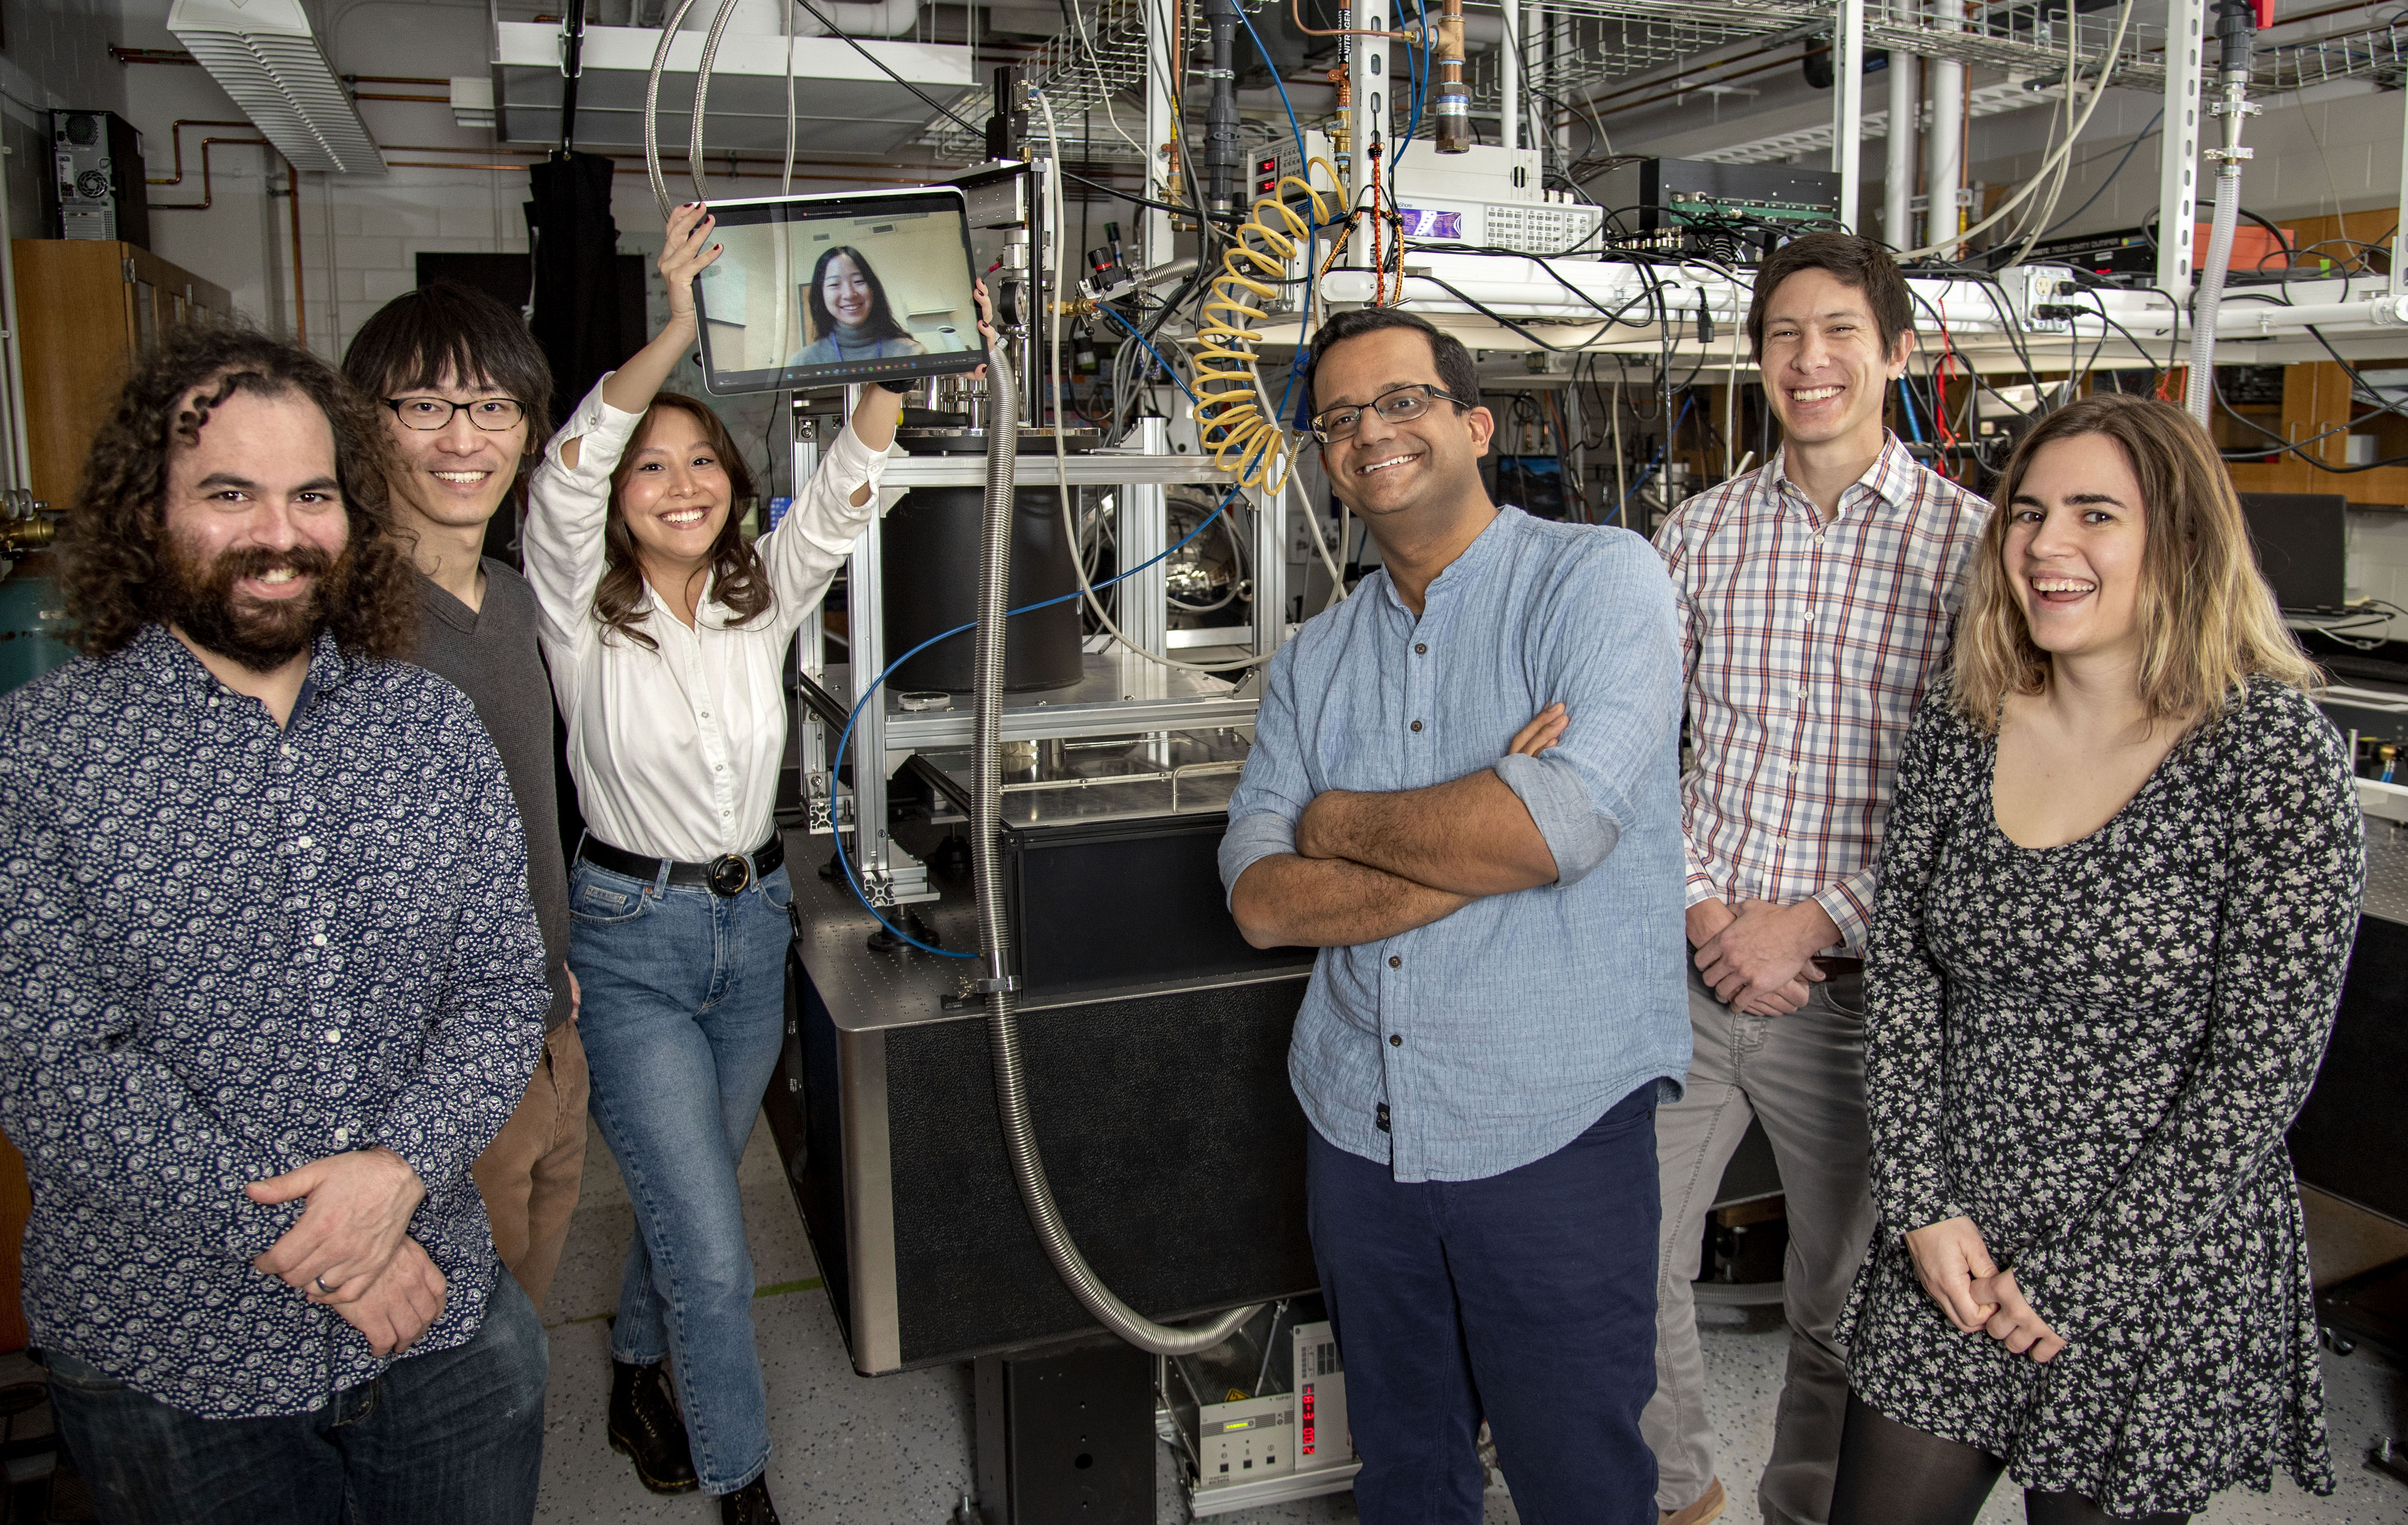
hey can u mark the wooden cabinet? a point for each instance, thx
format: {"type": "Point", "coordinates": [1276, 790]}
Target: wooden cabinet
{"type": "Point", "coordinates": [85, 310]}
{"type": "Point", "coordinates": [2317, 396]}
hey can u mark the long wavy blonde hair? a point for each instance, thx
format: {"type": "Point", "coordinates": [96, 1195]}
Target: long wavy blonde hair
{"type": "Point", "coordinates": [2208, 620]}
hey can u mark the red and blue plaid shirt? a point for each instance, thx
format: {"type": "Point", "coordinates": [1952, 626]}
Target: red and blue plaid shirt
{"type": "Point", "coordinates": [1806, 645]}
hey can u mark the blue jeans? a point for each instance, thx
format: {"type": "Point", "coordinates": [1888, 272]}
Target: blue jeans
{"type": "Point", "coordinates": [454, 1438]}
{"type": "Point", "coordinates": [684, 1016]}
{"type": "Point", "coordinates": [1527, 1297]}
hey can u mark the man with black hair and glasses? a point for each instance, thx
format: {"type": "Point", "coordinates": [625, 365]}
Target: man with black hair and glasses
{"type": "Point", "coordinates": [466, 393]}
{"type": "Point", "coordinates": [1464, 790]}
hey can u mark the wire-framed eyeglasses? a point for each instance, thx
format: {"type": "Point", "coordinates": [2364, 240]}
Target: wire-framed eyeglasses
{"type": "Point", "coordinates": [1401, 405]}
{"type": "Point", "coordinates": [495, 415]}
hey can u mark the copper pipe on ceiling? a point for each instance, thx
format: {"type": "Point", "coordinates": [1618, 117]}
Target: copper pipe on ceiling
{"type": "Point", "coordinates": [300, 302]}
{"type": "Point", "coordinates": [207, 193]}
{"type": "Point", "coordinates": [175, 133]}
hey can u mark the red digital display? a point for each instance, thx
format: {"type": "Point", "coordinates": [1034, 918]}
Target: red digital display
{"type": "Point", "coordinates": [1305, 1397]}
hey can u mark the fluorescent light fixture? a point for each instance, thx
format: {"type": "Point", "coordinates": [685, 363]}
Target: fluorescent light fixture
{"type": "Point", "coordinates": [263, 54]}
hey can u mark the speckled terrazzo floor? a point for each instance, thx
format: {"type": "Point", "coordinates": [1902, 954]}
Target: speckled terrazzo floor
{"type": "Point", "coordinates": [893, 1451]}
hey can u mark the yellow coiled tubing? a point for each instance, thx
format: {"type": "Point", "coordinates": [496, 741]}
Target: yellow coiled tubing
{"type": "Point", "coordinates": [1233, 420]}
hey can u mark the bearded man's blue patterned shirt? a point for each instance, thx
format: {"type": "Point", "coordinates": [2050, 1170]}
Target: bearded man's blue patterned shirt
{"type": "Point", "coordinates": [231, 948]}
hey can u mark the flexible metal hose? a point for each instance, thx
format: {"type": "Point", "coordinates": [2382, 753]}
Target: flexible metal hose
{"type": "Point", "coordinates": [2199, 396]}
{"type": "Point", "coordinates": [1002, 1011]}
{"type": "Point", "coordinates": [702, 92]}
{"type": "Point", "coordinates": [669, 24]}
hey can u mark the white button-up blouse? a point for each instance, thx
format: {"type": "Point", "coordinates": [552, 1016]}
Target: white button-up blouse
{"type": "Point", "coordinates": [676, 749]}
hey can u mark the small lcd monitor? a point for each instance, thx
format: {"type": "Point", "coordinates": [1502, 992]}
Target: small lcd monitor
{"type": "Point", "coordinates": [820, 290]}
{"type": "Point", "coordinates": [2302, 544]}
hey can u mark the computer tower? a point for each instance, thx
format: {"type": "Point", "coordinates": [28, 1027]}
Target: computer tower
{"type": "Point", "coordinates": [96, 190]}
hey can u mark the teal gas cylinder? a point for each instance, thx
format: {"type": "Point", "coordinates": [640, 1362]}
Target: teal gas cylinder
{"type": "Point", "coordinates": [31, 623]}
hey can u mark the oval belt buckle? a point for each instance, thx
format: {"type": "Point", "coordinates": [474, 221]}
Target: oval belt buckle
{"type": "Point", "coordinates": [731, 874]}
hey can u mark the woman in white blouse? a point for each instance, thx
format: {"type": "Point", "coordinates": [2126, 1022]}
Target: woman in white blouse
{"type": "Point", "coordinates": [665, 628]}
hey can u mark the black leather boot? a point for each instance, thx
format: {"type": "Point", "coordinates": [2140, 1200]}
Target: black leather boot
{"type": "Point", "coordinates": [748, 1506]}
{"type": "Point", "coordinates": [647, 1429]}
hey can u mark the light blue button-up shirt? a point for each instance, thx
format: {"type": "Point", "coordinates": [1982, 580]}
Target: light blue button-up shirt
{"type": "Point", "coordinates": [1496, 1035]}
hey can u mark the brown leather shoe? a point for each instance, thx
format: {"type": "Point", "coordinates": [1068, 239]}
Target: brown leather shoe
{"type": "Point", "coordinates": [1708, 1508]}
{"type": "Point", "coordinates": [748, 1506]}
{"type": "Point", "coordinates": [647, 1429]}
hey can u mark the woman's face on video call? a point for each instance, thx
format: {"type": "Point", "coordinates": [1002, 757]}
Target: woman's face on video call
{"type": "Point", "coordinates": [846, 292]}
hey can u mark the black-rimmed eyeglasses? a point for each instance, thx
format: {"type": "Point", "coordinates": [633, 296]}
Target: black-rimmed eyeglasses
{"type": "Point", "coordinates": [495, 415]}
{"type": "Point", "coordinates": [1401, 405]}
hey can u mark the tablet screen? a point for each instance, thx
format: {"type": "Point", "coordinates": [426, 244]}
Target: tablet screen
{"type": "Point", "coordinates": [817, 290]}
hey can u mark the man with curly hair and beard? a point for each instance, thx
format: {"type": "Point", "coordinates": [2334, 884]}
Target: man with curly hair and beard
{"type": "Point", "coordinates": [270, 980]}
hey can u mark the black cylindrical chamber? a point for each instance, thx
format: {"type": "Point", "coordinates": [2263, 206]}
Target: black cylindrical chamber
{"type": "Point", "coordinates": [930, 558]}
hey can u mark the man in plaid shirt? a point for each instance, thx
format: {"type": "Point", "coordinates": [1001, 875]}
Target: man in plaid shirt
{"type": "Point", "coordinates": [1816, 595]}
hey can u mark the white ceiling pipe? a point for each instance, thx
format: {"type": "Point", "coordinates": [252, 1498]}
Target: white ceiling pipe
{"type": "Point", "coordinates": [760, 18]}
{"type": "Point", "coordinates": [1544, 295]}
{"type": "Point", "coordinates": [768, 18]}
{"type": "Point", "coordinates": [2255, 318]}
{"type": "Point", "coordinates": [1897, 176]}
{"type": "Point", "coordinates": [1943, 149]}
{"type": "Point", "coordinates": [877, 18]}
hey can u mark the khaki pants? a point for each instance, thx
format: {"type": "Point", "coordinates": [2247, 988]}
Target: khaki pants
{"type": "Point", "coordinates": [529, 1174]}
{"type": "Point", "coordinates": [1804, 1075]}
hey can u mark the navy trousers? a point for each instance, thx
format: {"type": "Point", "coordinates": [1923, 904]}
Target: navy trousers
{"type": "Point", "coordinates": [1526, 1298]}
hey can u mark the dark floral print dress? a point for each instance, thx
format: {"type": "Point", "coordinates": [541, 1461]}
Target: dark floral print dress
{"type": "Point", "coordinates": [2094, 1052]}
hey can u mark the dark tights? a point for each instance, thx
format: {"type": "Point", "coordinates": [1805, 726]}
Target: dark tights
{"type": "Point", "coordinates": [1891, 1475]}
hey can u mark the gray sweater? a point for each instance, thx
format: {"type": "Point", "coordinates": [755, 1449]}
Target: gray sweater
{"type": "Point", "coordinates": [490, 654]}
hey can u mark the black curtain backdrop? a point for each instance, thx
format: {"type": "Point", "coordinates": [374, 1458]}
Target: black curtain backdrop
{"type": "Point", "coordinates": [589, 317]}
{"type": "Point", "coordinates": [581, 296]}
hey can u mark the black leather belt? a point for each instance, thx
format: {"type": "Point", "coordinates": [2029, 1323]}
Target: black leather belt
{"type": "Point", "coordinates": [1839, 968]}
{"type": "Point", "coordinates": [730, 875]}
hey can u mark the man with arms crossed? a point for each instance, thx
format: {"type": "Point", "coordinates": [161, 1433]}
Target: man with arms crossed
{"type": "Point", "coordinates": [1497, 1007]}
{"type": "Point", "coordinates": [1814, 596]}
{"type": "Point", "coordinates": [270, 980]}
{"type": "Point", "coordinates": [464, 393]}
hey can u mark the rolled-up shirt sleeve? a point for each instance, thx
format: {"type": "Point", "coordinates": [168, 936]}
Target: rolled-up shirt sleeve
{"type": "Point", "coordinates": [1579, 835]}
{"type": "Point", "coordinates": [1251, 839]}
{"type": "Point", "coordinates": [1608, 650]}
{"type": "Point", "coordinates": [1275, 787]}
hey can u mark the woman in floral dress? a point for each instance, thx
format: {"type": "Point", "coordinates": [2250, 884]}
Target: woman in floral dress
{"type": "Point", "coordinates": [2118, 890]}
